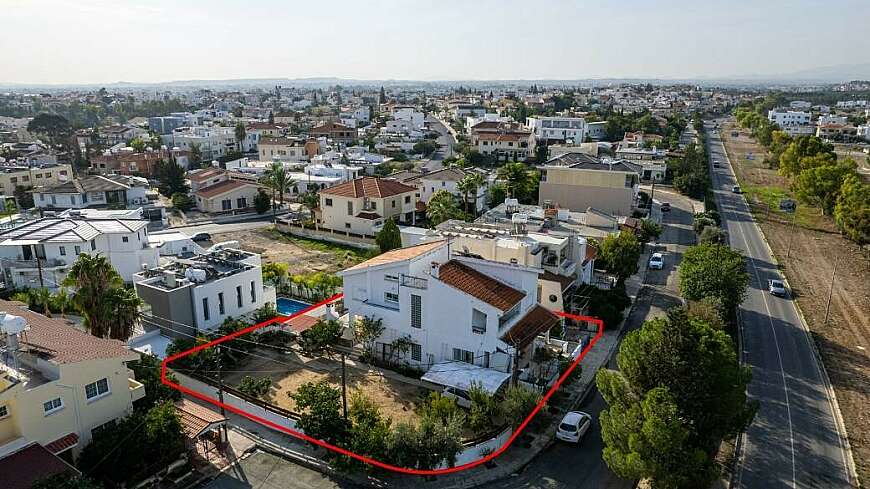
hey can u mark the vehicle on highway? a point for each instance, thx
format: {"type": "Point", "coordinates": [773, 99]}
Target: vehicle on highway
{"type": "Point", "coordinates": [201, 237]}
{"type": "Point", "coordinates": [656, 261]}
{"type": "Point", "coordinates": [574, 425]}
{"type": "Point", "coordinates": [776, 287]}
{"type": "Point", "coordinates": [461, 397]}
{"type": "Point", "coordinates": [736, 189]}
{"type": "Point", "coordinates": [715, 163]}
{"type": "Point", "coordinates": [665, 206]}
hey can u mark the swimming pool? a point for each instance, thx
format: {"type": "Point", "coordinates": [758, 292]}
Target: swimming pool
{"type": "Point", "coordinates": [287, 306]}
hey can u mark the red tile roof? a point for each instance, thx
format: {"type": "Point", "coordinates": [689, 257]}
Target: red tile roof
{"type": "Point", "coordinates": [63, 443]}
{"type": "Point", "coordinates": [222, 188]}
{"type": "Point", "coordinates": [301, 323]}
{"type": "Point", "coordinates": [60, 342]}
{"type": "Point", "coordinates": [195, 418]}
{"type": "Point", "coordinates": [21, 469]}
{"type": "Point", "coordinates": [476, 284]}
{"type": "Point", "coordinates": [202, 175]}
{"type": "Point", "coordinates": [535, 322]}
{"type": "Point", "coordinates": [369, 187]}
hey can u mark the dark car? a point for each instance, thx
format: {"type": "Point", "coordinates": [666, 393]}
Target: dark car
{"type": "Point", "coordinates": [666, 206]}
{"type": "Point", "coordinates": [201, 237]}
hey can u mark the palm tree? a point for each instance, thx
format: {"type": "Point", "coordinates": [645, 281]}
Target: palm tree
{"type": "Point", "coordinates": [93, 277]}
{"type": "Point", "coordinates": [240, 136]}
{"type": "Point", "coordinates": [470, 184]}
{"type": "Point", "coordinates": [42, 297]}
{"type": "Point", "coordinates": [516, 177]}
{"type": "Point", "coordinates": [441, 207]}
{"type": "Point", "coordinates": [279, 181]}
{"type": "Point", "coordinates": [123, 306]}
{"type": "Point", "coordinates": [62, 301]}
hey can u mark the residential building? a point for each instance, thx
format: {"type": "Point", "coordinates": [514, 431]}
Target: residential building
{"type": "Point", "coordinates": [411, 115]}
{"type": "Point", "coordinates": [449, 308]}
{"type": "Point", "coordinates": [361, 206]}
{"type": "Point", "coordinates": [863, 131]}
{"type": "Point", "coordinates": [28, 177]}
{"type": "Point", "coordinates": [282, 149]}
{"type": "Point", "coordinates": [558, 129]}
{"type": "Point", "coordinates": [800, 105]}
{"type": "Point", "coordinates": [834, 130]}
{"type": "Point", "coordinates": [337, 133]}
{"type": "Point", "coordinates": [112, 135]}
{"type": "Point", "coordinates": [205, 177]}
{"type": "Point", "coordinates": [461, 111]}
{"type": "Point", "coordinates": [94, 191]}
{"type": "Point", "coordinates": [784, 118]}
{"type": "Point", "coordinates": [128, 162]}
{"type": "Point", "coordinates": [58, 384]}
{"type": "Point", "coordinates": [197, 294]}
{"type": "Point", "coordinates": [504, 142]}
{"type": "Point", "coordinates": [579, 181]}
{"type": "Point", "coordinates": [229, 195]}
{"type": "Point", "coordinates": [39, 253]}
{"type": "Point", "coordinates": [596, 131]}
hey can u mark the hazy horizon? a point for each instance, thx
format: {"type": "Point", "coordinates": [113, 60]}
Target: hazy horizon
{"type": "Point", "coordinates": [105, 42]}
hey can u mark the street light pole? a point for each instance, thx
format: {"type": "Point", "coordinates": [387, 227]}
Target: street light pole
{"type": "Point", "coordinates": [831, 291]}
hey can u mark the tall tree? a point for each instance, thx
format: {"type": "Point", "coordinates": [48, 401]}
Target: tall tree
{"type": "Point", "coordinates": [93, 278]}
{"type": "Point", "coordinates": [517, 178]}
{"type": "Point", "coordinates": [171, 178]}
{"type": "Point", "coordinates": [195, 156]}
{"type": "Point", "coordinates": [320, 417]}
{"type": "Point", "coordinates": [821, 185]}
{"type": "Point", "coordinates": [714, 270]}
{"type": "Point", "coordinates": [278, 179]}
{"type": "Point", "coordinates": [852, 212]}
{"type": "Point", "coordinates": [619, 254]}
{"type": "Point", "coordinates": [389, 237]}
{"type": "Point", "coordinates": [470, 184]}
{"type": "Point", "coordinates": [240, 133]}
{"type": "Point", "coordinates": [679, 390]}
{"type": "Point", "coordinates": [442, 207]}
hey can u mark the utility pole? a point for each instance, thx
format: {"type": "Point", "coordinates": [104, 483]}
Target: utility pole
{"type": "Point", "coordinates": [38, 266]}
{"type": "Point", "coordinates": [344, 385]}
{"type": "Point", "coordinates": [221, 388]}
{"type": "Point", "coordinates": [831, 291]}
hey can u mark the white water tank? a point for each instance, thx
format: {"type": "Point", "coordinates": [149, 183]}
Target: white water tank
{"type": "Point", "coordinates": [196, 275]}
{"type": "Point", "coordinates": [11, 324]}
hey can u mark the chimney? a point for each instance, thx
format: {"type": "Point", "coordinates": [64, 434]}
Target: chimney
{"type": "Point", "coordinates": [434, 266]}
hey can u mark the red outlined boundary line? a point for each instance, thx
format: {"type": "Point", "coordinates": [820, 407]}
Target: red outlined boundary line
{"type": "Point", "coordinates": [342, 451]}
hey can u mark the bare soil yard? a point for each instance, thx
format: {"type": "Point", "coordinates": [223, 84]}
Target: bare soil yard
{"type": "Point", "coordinates": [303, 255]}
{"type": "Point", "coordinates": [816, 247]}
{"type": "Point", "coordinates": [396, 399]}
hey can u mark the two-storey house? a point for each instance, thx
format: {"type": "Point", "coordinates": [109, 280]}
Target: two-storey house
{"type": "Point", "coordinates": [361, 205]}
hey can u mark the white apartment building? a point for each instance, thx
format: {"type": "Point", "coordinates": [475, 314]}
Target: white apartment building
{"type": "Point", "coordinates": [864, 132]}
{"type": "Point", "coordinates": [94, 191]}
{"type": "Point", "coordinates": [558, 129]}
{"type": "Point", "coordinates": [450, 309]}
{"type": "Point", "coordinates": [784, 118]}
{"type": "Point", "coordinates": [184, 297]}
{"type": "Point", "coordinates": [411, 115]}
{"type": "Point", "coordinates": [832, 119]}
{"type": "Point", "coordinates": [596, 130]}
{"type": "Point", "coordinates": [39, 253]}
{"type": "Point", "coordinates": [213, 141]}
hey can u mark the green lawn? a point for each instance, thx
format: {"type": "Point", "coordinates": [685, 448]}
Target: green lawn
{"type": "Point", "coordinates": [350, 253]}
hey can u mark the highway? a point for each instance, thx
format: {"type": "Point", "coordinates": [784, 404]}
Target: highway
{"type": "Point", "coordinates": [795, 440]}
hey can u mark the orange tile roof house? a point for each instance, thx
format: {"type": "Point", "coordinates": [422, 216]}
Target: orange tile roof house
{"type": "Point", "coordinates": [218, 191]}
{"type": "Point", "coordinates": [58, 384]}
{"type": "Point", "coordinates": [451, 308]}
{"type": "Point", "coordinates": [361, 206]}
{"type": "Point", "coordinates": [338, 133]}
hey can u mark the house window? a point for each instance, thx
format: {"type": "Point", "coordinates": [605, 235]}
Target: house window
{"type": "Point", "coordinates": [97, 389]}
{"type": "Point", "coordinates": [327, 202]}
{"type": "Point", "coordinates": [125, 239]}
{"type": "Point", "coordinates": [478, 321]}
{"type": "Point", "coordinates": [93, 245]}
{"type": "Point", "coordinates": [52, 406]}
{"type": "Point", "coordinates": [4, 411]}
{"type": "Point", "coordinates": [393, 202]}
{"type": "Point", "coordinates": [205, 313]}
{"type": "Point", "coordinates": [460, 355]}
{"type": "Point", "coordinates": [391, 278]}
{"type": "Point", "coordinates": [374, 205]}
{"type": "Point", "coordinates": [416, 352]}
{"type": "Point", "coordinates": [239, 295]}
{"type": "Point", "coordinates": [53, 200]}
{"type": "Point", "coordinates": [391, 297]}
{"type": "Point", "coordinates": [241, 202]}
{"type": "Point", "coordinates": [347, 225]}
{"type": "Point", "coordinates": [226, 204]}
{"type": "Point", "coordinates": [350, 208]}
{"type": "Point", "coordinates": [78, 250]}
{"type": "Point", "coordinates": [253, 292]}
{"type": "Point", "coordinates": [63, 251]}
{"type": "Point", "coordinates": [416, 311]}
{"type": "Point", "coordinates": [221, 303]}
{"type": "Point", "coordinates": [408, 199]}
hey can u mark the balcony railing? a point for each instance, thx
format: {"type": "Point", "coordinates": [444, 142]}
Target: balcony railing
{"type": "Point", "coordinates": [414, 282]}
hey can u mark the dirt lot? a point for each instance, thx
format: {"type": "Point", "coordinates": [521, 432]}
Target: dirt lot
{"type": "Point", "coordinates": [396, 399]}
{"type": "Point", "coordinates": [303, 255]}
{"type": "Point", "coordinates": [815, 249]}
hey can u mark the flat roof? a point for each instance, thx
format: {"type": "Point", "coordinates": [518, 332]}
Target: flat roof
{"type": "Point", "coordinates": [463, 375]}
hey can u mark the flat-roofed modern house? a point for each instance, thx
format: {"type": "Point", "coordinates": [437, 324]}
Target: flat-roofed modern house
{"type": "Point", "coordinates": [59, 385]}
{"type": "Point", "coordinates": [39, 253]}
{"type": "Point", "coordinates": [580, 181]}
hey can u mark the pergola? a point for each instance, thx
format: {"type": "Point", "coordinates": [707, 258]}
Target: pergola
{"type": "Point", "coordinates": [205, 429]}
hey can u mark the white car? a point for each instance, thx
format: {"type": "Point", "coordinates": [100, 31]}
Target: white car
{"type": "Point", "coordinates": [776, 287]}
{"type": "Point", "coordinates": [574, 425]}
{"type": "Point", "coordinates": [656, 261]}
{"type": "Point", "coordinates": [461, 397]}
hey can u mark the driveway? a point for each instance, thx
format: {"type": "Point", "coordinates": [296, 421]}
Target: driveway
{"type": "Point", "coordinates": [263, 470]}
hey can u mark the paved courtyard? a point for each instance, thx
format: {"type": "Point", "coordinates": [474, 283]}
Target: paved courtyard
{"type": "Point", "coordinates": [263, 470]}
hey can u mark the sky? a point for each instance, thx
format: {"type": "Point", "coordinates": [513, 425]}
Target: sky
{"type": "Point", "coordinates": [105, 41]}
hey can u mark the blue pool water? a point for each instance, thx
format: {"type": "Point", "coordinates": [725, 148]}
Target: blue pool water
{"type": "Point", "coordinates": [287, 306]}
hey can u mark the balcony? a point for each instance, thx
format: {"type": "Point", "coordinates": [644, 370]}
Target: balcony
{"type": "Point", "coordinates": [414, 282]}
{"type": "Point", "coordinates": [137, 389]}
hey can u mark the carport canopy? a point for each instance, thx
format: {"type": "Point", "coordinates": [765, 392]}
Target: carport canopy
{"type": "Point", "coordinates": [463, 375]}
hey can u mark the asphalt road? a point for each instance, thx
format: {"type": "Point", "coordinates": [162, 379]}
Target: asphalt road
{"type": "Point", "coordinates": [794, 440]}
{"type": "Point", "coordinates": [566, 466]}
{"type": "Point", "coordinates": [445, 141]}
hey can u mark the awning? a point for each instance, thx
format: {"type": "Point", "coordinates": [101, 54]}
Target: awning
{"type": "Point", "coordinates": [535, 322]}
{"type": "Point", "coordinates": [63, 443]}
{"type": "Point", "coordinates": [463, 375]}
{"type": "Point", "coordinates": [196, 419]}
